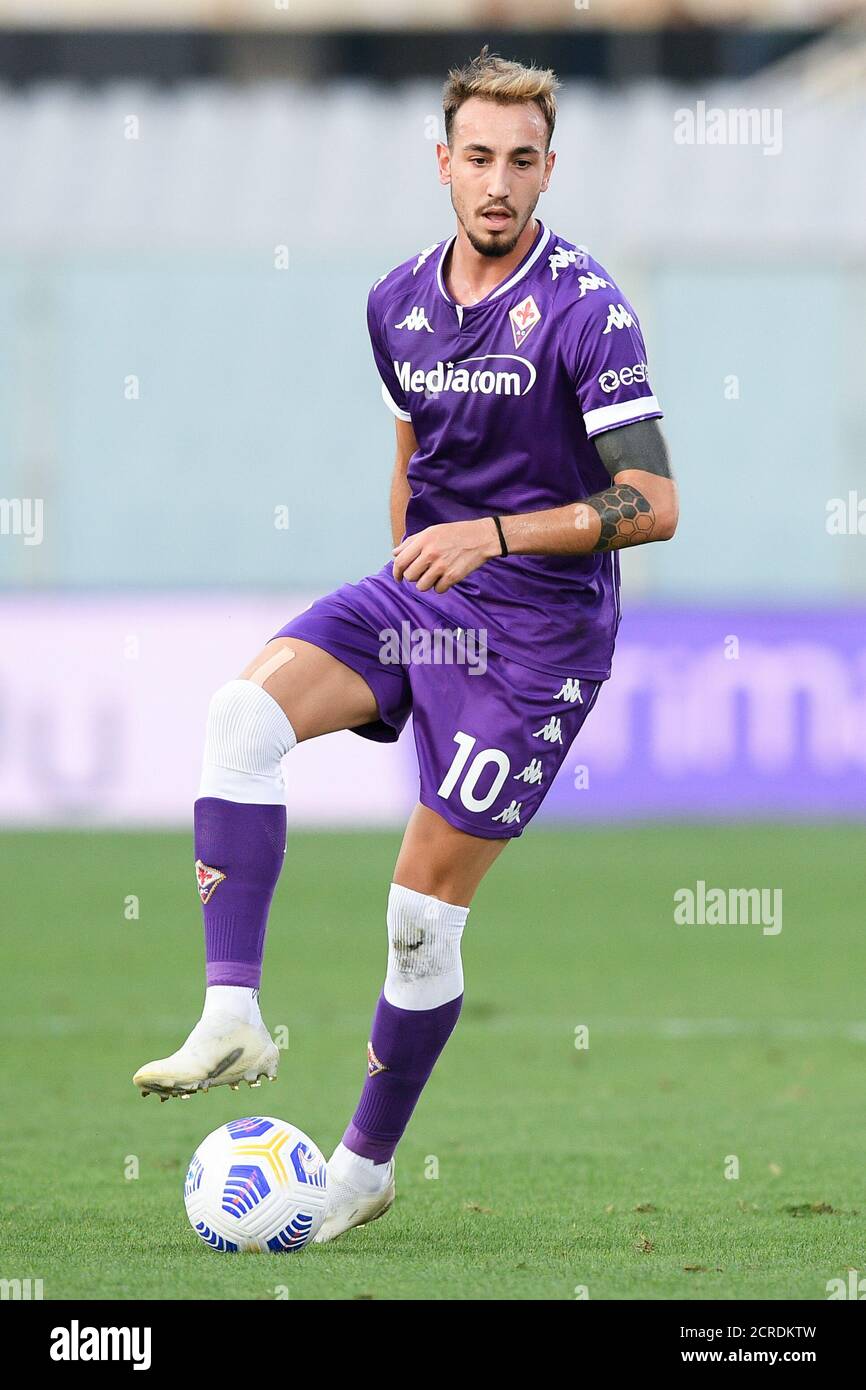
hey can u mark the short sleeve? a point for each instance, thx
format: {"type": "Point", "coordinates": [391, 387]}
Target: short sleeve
{"type": "Point", "coordinates": [609, 364]}
{"type": "Point", "coordinates": [392, 392]}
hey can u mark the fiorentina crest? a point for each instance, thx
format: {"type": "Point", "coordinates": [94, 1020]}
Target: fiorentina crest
{"type": "Point", "coordinates": [374, 1066]}
{"type": "Point", "coordinates": [524, 318]}
{"type": "Point", "coordinates": [207, 879]}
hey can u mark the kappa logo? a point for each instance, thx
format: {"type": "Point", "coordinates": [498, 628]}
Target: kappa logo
{"type": "Point", "coordinates": [561, 259]}
{"type": "Point", "coordinates": [207, 880]}
{"type": "Point", "coordinates": [510, 814]}
{"type": "Point", "coordinates": [551, 732]}
{"type": "Point", "coordinates": [524, 318]}
{"type": "Point", "coordinates": [423, 256]}
{"type": "Point", "coordinates": [618, 316]}
{"type": "Point", "coordinates": [569, 690]}
{"type": "Point", "coordinates": [531, 773]}
{"type": "Point", "coordinates": [592, 282]}
{"type": "Point", "coordinates": [374, 1066]}
{"type": "Point", "coordinates": [417, 320]}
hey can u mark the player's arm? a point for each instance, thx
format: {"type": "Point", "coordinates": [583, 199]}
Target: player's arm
{"type": "Point", "coordinates": [642, 487]}
{"type": "Point", "coordinates": [407, 445]}
{"type": "Point", "coordinates": [640, 506]}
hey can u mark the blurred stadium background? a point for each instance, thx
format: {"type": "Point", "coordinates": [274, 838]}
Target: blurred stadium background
{"type": "Point", "coordinates": [195, 199]}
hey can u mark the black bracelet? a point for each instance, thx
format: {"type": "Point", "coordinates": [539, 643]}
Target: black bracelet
{"type": "Point", "coordinates": [503, 546]}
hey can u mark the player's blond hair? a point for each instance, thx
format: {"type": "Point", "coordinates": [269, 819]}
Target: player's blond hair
{"type": "Point", "coordinates": [498, 79]}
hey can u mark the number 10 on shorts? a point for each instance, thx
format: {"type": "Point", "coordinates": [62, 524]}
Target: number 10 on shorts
{"type": "Point", "coordinates": [470, 775]}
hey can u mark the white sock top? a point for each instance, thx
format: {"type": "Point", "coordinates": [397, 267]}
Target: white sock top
{"type": "Point", "coordinates": [235, 1000]}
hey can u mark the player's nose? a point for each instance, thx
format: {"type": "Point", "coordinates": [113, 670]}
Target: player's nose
{"type": "Point", "coordinates": [498, 187]}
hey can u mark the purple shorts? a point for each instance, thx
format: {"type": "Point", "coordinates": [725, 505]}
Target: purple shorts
{"type": "Point", "coordinates": [490, 734]}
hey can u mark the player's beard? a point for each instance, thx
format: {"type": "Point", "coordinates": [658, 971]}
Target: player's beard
{"type": "Point", "coordinates": [493, 245]}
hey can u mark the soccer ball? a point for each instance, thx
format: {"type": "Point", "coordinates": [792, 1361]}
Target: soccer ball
{"type": "Point", "coordinates": [256, 1184]}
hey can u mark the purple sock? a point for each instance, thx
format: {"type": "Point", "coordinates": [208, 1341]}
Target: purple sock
{"type": "Point", "coordinates": [404, 1046]}
{"type": "Point", "coordinates": [239, 851]}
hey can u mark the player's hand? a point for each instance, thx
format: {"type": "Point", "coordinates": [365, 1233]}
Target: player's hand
{"type": "Point", "coordinates": [442, 555]}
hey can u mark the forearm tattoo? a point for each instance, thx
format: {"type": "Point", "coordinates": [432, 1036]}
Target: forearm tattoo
{"type": "Point", "coordinates": [627, 518]}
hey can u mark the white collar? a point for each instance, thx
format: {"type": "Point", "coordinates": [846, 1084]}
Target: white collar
{"type": "Point", "coordinates": [523, 269]}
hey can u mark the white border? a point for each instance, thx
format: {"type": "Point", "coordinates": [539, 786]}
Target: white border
{"type": "Point", "coordinates": [622, 413]}
{"type": "Point", "coordinates": [393, 406]}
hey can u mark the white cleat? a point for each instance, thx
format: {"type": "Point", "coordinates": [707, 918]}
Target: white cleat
{"type": "Point", "coordinates": [220, 1051]}
{"type": "Point", "coordinates": [348, 1206]}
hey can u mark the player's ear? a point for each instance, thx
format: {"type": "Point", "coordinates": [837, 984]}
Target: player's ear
{"type": "Point", "coordinates": [549, 161]}
{"type": "Point", "coordinates": [443, 159]}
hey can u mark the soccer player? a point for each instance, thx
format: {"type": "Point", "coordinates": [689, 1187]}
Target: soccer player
{"type": "Point", "coordinates": [528, 454]}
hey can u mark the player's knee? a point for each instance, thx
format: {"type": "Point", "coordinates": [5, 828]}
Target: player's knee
{"type": "Point", "coordinates": [424, 963]}
{"type": "Point", "coordinates": [247, 735]}
{"type": "Point", "coordinates": [246, 728]}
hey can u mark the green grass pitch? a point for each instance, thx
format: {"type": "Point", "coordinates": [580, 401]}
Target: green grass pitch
{"type": "Point", "coordinates": [557, 1168]}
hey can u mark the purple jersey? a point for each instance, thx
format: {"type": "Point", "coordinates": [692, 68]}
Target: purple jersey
{"type": "Point", "coordinates": [505, 396]}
